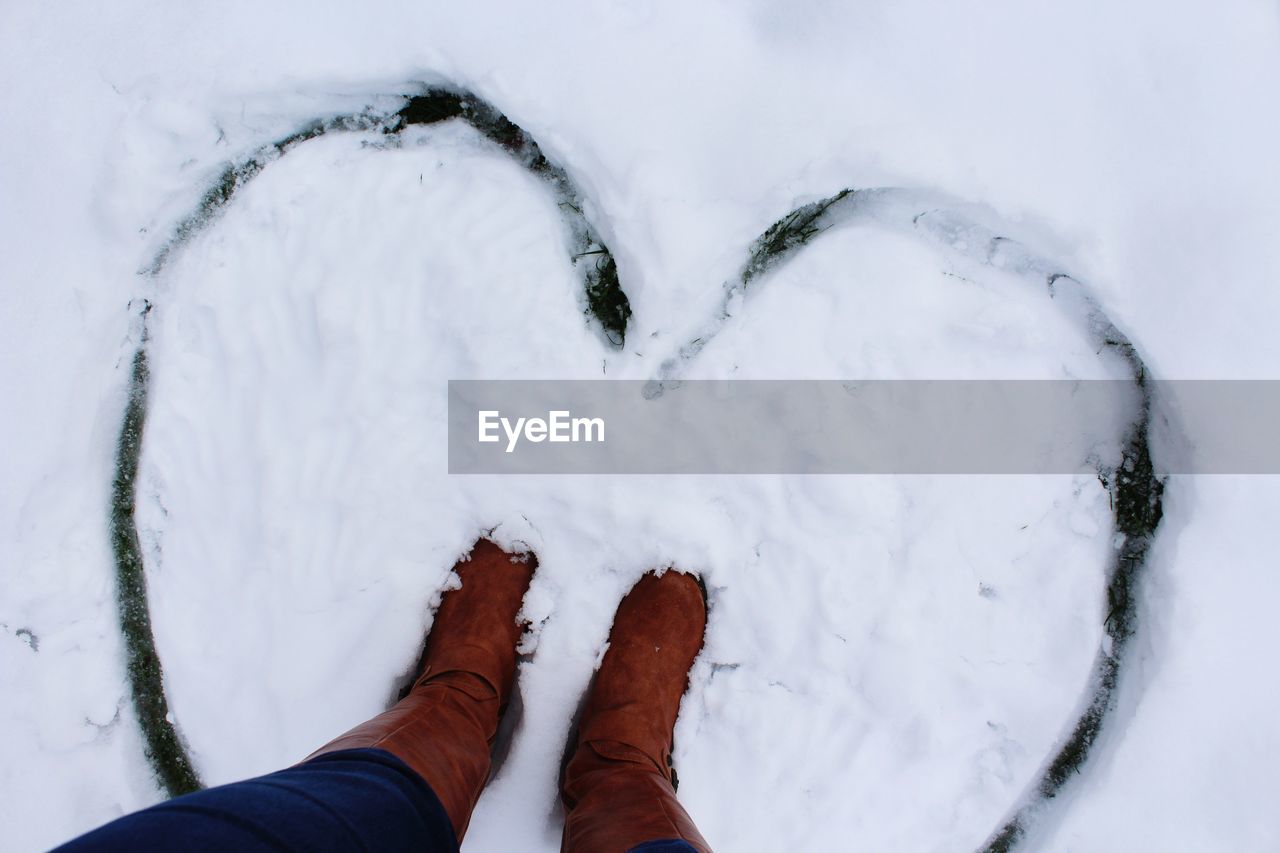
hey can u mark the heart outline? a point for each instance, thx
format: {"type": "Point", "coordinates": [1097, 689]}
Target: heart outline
{"type": "Point", "coordinates": [1135, 485]}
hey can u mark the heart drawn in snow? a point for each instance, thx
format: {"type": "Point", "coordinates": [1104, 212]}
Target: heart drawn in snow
{"type": "Point", "coordinates": [929, 218]}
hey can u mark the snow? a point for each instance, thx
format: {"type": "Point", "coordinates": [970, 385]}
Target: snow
{"type": "Point", "coordinates": [889, 659]}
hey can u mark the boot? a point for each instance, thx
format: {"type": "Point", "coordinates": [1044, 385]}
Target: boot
{"type": "Point", "coordinates": [444, 727]}
{"type": "Point", "coordinates": [619, 787]}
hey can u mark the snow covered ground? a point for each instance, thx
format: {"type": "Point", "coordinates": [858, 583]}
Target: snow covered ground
{"type": "Point", "coordinates": [890, 660]}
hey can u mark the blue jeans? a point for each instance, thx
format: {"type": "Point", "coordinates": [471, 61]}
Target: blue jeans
{"type": "Point", "coordinates": [356, 799]}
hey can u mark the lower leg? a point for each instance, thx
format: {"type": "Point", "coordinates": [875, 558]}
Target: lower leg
{"type": "Point", "coordinates": [444, 728]}
{"type": "Point", "coordinates": [618, 787]}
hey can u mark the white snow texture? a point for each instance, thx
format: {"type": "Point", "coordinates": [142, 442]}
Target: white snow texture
{"type": "Point", "coordinates": [889, 660]}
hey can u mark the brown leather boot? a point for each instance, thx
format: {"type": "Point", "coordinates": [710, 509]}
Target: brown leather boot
{"type": "Point", "coordinates": [444, 727]}
{"type": "Point", "coordinates": [618, 787]}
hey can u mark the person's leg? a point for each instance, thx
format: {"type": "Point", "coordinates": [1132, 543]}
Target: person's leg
{"type": "Point", "coordinates": [618, 787]}
{"type": "Point", "coordinates": [444, 727]}
{"type": "Point", "coordinates": [355, 800]}
{"type": "Point", "coordinates": [405, 780]}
